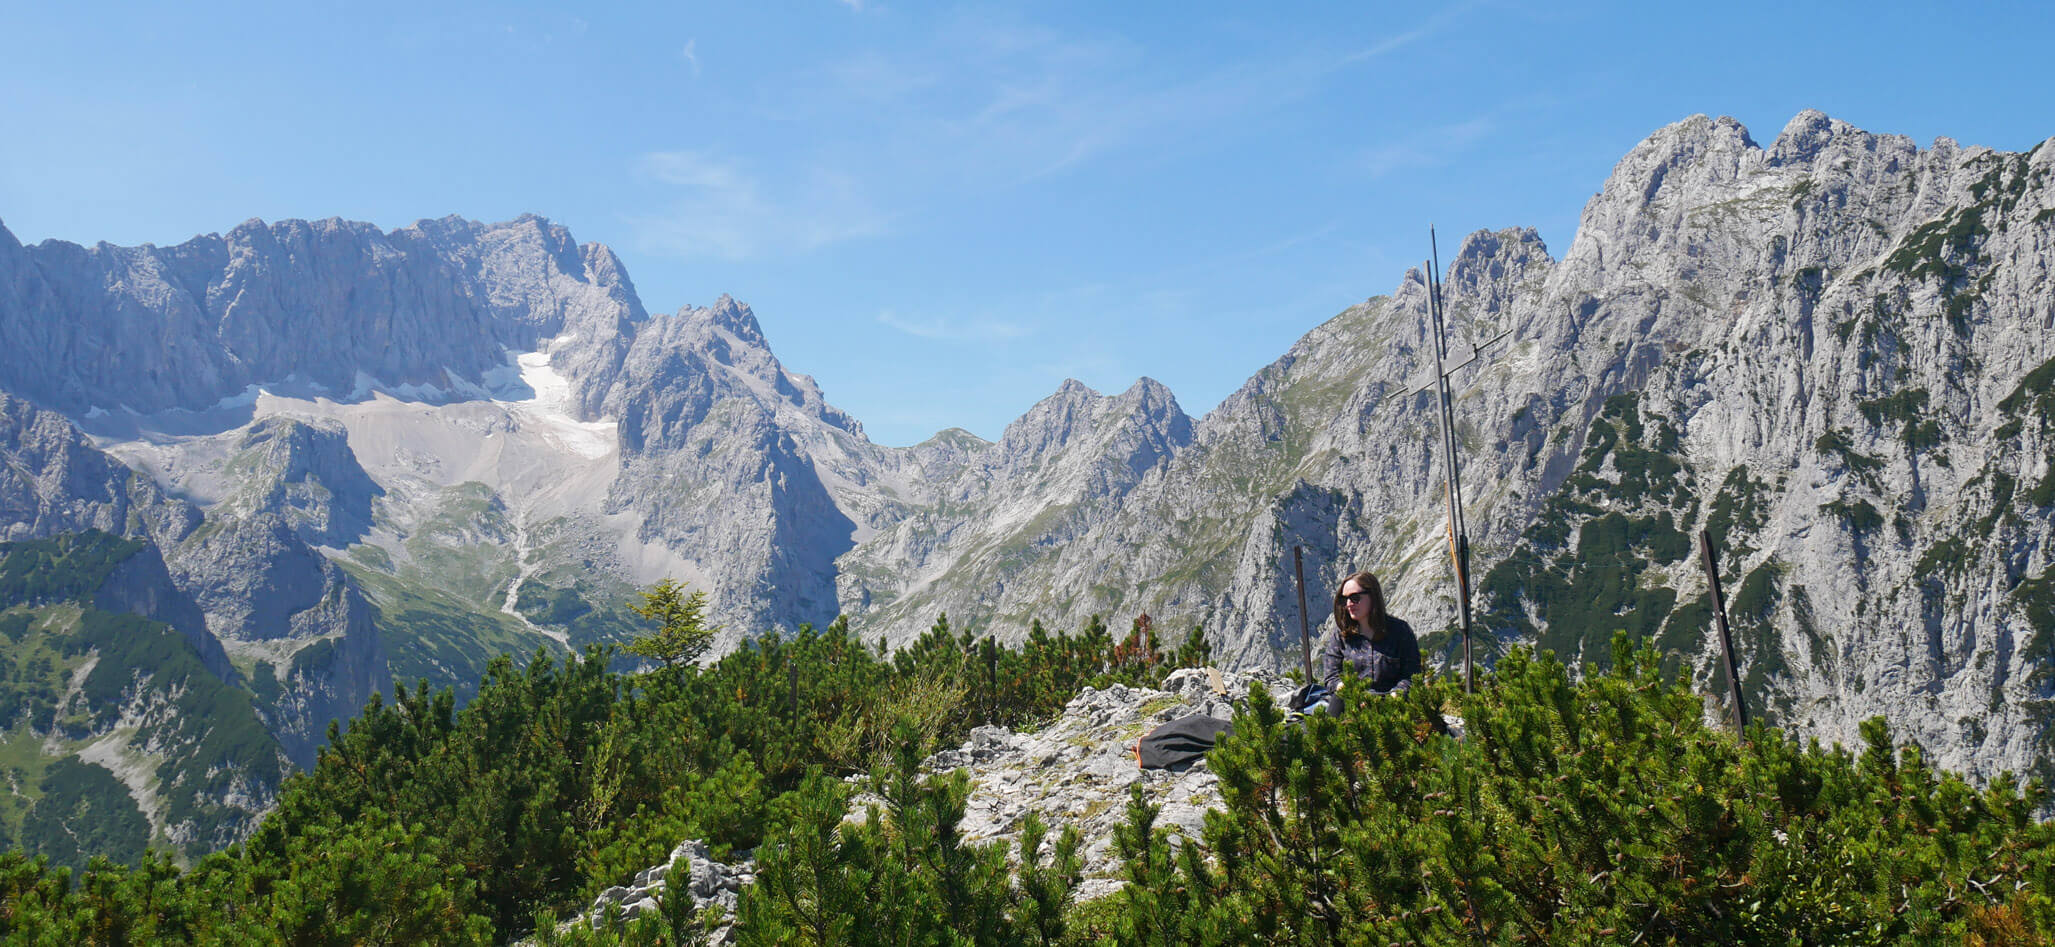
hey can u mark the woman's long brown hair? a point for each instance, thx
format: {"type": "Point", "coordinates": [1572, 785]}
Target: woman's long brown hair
{"type": "Point", "coordinates": [1375, 619]}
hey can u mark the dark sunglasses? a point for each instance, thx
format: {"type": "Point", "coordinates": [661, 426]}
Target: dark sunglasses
{"type": "Point", "coordinates": [1354, 597]}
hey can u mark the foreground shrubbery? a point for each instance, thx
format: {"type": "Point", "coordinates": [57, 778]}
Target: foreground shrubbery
{"type": "Point", "coordinates": [424, 823]}
{"type": "Point", "coordinates": [1600, 811]}
{"type": "Point", "coordinates": [1593, 811]}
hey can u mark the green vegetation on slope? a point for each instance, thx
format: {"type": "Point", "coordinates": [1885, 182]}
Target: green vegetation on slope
{"type": "Point", "coordinates": [424, 822]}
{"type": "Point", "coordinates": [432, 635]}
{"type": "Point", "coordinates": [1624, 503]}
{"type": "Point", "coordinates": [72, 675]}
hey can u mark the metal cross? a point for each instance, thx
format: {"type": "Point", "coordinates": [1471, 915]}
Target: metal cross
{"type": "Point", "coordinates": [1444, 366]}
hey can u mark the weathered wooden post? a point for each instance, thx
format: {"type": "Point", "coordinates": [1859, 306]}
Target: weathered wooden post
{"type": "Point", "coordinates": [1305, 634]}
{"type": "Point", "coordinates": [1719, 605]}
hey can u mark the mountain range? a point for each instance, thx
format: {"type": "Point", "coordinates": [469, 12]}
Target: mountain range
{"type": "Point", "coordinates": [316, 457]}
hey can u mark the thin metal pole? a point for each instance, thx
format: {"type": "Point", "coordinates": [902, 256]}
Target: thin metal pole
{"type": "Point", "coordinates": [1719, 603]}
{"type": "Point", "coordinates": [1305, 633]}
{"type": "Point", "coordinates": [1458, 533]}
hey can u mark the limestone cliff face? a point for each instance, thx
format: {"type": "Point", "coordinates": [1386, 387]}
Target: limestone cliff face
{"type": "Point", "coordinates": [1829, 352]}
{"type": "Point", "coordinates": [310, 302]}
{"type": "Point", "coordinates": [304, 471]}
{"type": "Point", "coordinates": [728, 459]}
{"type": "Point", "coordinates": [984, 550]}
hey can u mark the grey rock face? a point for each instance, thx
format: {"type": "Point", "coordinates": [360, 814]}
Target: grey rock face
{"type": "Point", "coordinates": [318, 302]}
{"type": "Point", "coordinates": [1783, 310]}
{"type": "Point", "coordinates": [719, 454]}
{"type": "Point", "coordinates": [980, 550]}
{"type": "Point", "coordinates": [141, 585]}
{"type": "Point", "coordinates": [306, 472]}
{"type": "Point", "coordinates": [55, 481]}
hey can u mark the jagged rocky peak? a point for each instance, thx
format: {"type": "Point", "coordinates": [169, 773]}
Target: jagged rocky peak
{"type": "Point", "coordinates": [1674, 202]}
{"type": "Point", "coordinates": [1075, 412]}
{"type": "Point", "coordinates": [1707, 149]}
{"type": "Point", "coordinates": [535, 277]}
{"type": "Point", "coordinates": [731, 316]}
{"type": "Point", "coordinates": [1806, 135]}
{"type": "Point", "coordinates": [681, 365]}
{"type": "Point", "coordinates": [1824, 145]}
{"type": "Point", "coordinates": [726, 332]}
{"type": "Point", "coordinates": [1150, 396]}
{"type": "Point", "coordinates": [1646, 195]}
{"type": "Point", "coordinates": [1492, 270]}
{"type": "Point", "coordinates": [305, 471]}
{"type": "Point", "coordinates": [1047, 428]}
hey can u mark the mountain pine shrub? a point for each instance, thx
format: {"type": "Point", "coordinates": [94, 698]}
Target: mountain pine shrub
{"type": "Point", "coordinates": [1600, 810]}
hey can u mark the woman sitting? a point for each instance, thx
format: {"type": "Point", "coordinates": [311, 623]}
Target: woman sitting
{"type": "Point", "coordinates": [1380, 649]}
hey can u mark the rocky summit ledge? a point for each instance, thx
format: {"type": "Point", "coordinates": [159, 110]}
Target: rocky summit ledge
{"type": "Point", "coordinates": [1076, 771]}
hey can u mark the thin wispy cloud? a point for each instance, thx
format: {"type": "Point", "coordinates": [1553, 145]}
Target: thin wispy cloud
{"type": "Point", "coordinates": [1440, 21]}
{"type": "Point", "coordinates": [948, 330]}
{"type": "Point", "coordinates": [720, 210]}
{"type": "Point", "coordinates": [872, 81]}
{"type": "Point", "coordinates": [1426, 148]}
{"type": "Point", "coordinates": [691, 55]}
{"type": "Point", "coordinates": [992, 101]}
{"type": "Point", "coordinates": [1387, 45]}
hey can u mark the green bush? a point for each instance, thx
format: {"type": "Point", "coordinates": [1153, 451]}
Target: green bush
{"type": "Point", "coordinates": [1594, 811]}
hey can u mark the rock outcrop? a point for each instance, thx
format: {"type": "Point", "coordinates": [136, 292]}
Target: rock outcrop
{"type": "Point", "coordinates": [1076, 772]}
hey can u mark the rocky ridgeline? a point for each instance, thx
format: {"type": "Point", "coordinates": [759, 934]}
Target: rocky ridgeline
{"type": "Point", "coordinates": [1076, 772]}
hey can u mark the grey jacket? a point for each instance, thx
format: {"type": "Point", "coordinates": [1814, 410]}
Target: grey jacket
{"type": "Point", "coordinates": [1387, 665]}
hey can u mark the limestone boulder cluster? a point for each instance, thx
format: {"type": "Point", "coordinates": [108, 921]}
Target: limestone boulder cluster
{"type": "Point", "coordinates": [1077, 772]}
{"type": "Point", "coordinates": [690, 872]}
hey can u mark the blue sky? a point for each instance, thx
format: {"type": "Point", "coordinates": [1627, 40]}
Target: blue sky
{"type": "Point", "coordinates": [941, 212]}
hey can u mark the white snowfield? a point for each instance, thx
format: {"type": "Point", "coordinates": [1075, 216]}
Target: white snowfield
{"type": "Point", "coordinates": [514, 432]}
